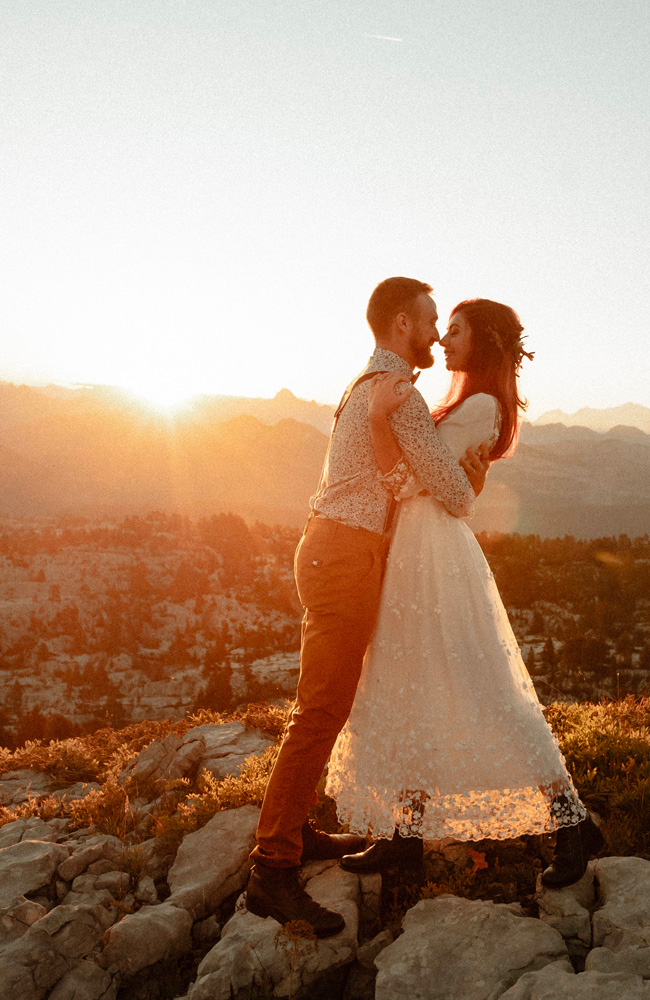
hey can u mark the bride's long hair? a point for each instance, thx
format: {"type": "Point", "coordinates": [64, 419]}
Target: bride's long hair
{"type": "Point", "coordinates": [493, 368]}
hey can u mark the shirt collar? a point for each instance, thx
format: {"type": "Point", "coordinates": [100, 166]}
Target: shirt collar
{"type": "Point", "coordinates": [382, 360]}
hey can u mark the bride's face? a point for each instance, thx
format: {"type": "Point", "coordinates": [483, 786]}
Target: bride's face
{"type": "Point", "coordinates": [457, 344]}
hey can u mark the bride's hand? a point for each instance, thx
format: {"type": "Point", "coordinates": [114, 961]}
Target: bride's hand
{"type": "Point", "coordinates": [387, 392]}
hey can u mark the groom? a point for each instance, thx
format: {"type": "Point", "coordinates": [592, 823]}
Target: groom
{"type": "Point", "coordinates": [339, 566]}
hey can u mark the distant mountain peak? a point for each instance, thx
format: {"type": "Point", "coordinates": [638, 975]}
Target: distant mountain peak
{"type": "Point", "coordinates": [285, 396]}
{"type": "Point", "coordinates": [627, 414]}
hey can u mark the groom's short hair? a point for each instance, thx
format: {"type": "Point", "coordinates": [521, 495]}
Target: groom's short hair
{"type": "Point", "coordinates": [391, 297]}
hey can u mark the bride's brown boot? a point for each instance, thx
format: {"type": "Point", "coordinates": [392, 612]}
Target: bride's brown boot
{"type": "Point", "coordinates": [573, 847]}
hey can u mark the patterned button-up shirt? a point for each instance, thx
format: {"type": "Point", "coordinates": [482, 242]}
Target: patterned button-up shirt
{"type": "Point", "coordinates": [351, 491]}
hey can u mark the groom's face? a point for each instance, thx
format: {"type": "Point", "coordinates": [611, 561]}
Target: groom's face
{"type": "Point", "coordinates": [424, 332]}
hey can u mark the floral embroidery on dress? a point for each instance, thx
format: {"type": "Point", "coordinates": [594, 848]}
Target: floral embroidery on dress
{"type": "Point", "coordinates": [447, 737]}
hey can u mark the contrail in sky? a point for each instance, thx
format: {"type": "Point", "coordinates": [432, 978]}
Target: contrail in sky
{"type": "Point", "coordinates": [386, 38]}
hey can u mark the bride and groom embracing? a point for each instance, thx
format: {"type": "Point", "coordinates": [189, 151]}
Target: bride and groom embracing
{"type": "Point", "coordinates": [411, 681]}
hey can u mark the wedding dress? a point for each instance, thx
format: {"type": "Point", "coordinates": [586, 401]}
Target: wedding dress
{"type": "Point", "coordinates": [446, 737]}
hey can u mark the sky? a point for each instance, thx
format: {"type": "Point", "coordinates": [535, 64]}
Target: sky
{"type": "Point", "coordinates": [200, 195]}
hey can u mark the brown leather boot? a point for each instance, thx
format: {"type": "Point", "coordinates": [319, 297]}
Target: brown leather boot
{"type": "Point", "coordinates": [399, 852]}
{"type": "Point", "coordinates": [320, 846]}
{"type": "Point", "coordinates": [574, 845]}
{"type": "Point", "coordinates": [277, 893]}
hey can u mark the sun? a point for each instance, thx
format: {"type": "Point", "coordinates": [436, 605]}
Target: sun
{"type": "Point", "coordinates": [164, 396]}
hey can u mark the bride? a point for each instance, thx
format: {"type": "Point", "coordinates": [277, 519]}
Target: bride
{"type": "Point", "coordinates": [446, 737]}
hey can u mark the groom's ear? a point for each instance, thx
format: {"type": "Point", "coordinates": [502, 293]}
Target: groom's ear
{"type": "Point", "coordinates": [414, 377]}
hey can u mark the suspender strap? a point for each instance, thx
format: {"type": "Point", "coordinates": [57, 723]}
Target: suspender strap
{"type": "Point", "coordinates": [392, 507]}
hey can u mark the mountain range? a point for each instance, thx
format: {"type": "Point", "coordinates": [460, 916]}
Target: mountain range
{"type": "Point", "coordinates": [102, 452]}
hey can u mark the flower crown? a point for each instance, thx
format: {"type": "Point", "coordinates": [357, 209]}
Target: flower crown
{"type": "Point", "coordinates": [513, 348]}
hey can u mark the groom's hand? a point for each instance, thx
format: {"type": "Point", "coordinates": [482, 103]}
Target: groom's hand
{"type": "Point", "coordinates": [476, 462]}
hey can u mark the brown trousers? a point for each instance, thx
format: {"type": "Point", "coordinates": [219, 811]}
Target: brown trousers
{"type": "Point", "coordinates": [338, 574]}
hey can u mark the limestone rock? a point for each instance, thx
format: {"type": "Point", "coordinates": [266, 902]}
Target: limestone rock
{"type": "Point", "coordinates": [77, 791]}
{"type": "Point", "coordinates": [569, 911]}
{"type": "Point", "coordinates": [370, 886]}
{"type": "Point", "coordinates": [112, 848]}
{"type": "Point", "coordinates": [206, 932]}
{"type": "Point", "coordinates": [33, 964]}
{"type": "Point", "coordinates": [101, 866]}
{"type": "Point", "coordinates": [79, 861]}
{"type": "Point", "coordinates": [116, 882]}
{"type": "Point", "coordinates": [253, 954]}
{"type": "Point", "coordinates": [18, 786]}
{"type": "Point", "coordinates": [17, 917]}
{"type": "Point", "coordinates": [623, 921]}
{"type": "Point", "coordinates": [91, 897]}
{"type": "Point", "coordinates": [146, 937]}
{"type": "Point", "coordinates": [213, 862]}
{"type": "Point", "coordinates": [31, 828]}
{"type": "Point", "coordinates": [27, 866]}
{"type": "Point", "coordinates": [473, 949]}
{"type": "Point", "coordinates": [368, 952]}
{"type": "Point", "coordinates": [227, 746]}
{"type": "Point", "coordinates": [164, 759]}
{"type": "Point", "coordinates": [85, 982]}
{"type": "Point", "coordinates": [146, 891]}
{"type": "Point", "coordinates": [634, 961]}
{"type": "Point", "coordinates": [556, 981]}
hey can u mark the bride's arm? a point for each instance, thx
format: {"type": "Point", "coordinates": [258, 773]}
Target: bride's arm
{"type": "Point", "coordinates": [387, 392]}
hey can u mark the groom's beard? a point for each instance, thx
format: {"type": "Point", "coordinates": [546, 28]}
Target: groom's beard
{"type": "Point", "coordinates": [421, 353]}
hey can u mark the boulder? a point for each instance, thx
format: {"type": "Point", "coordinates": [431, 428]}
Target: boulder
{"type": "Point", "coordinates": [256, 954]}
{"type": "Point", "coordinates": [164, 759]}
{"type": "Point", "coordinates": [146, 937]}
{"type": "Point", "coordinates": [117, 883]}
{"type": "Point", "coordinates": [569, 911]}
{"type": "Point", "coordinates": [213, 862]}
{"type": "Point", "coordinates": [28, 866]}
{"type": "Point", "coordinates": [79, 861]}
{"type": "Point", "coordinates": [555, 981]}
{"type": "Point", "coordinates": [146, 891]}
{"type": "Point", "coordinates": [633, 961]}
{"type": "Point", "coordinates": [32, 965]}
{"type": "Point", "coordinates": [86, 981]}
{"type": "Point", "coordinates": [368, 952]}
{"type": "Point", "coordinates": [77, 791]}
{"type": "Point", "coordinates": [623, 919]}
{"type": "Point", "coordinates": [370, 886]}
{"type": "Point", "coordinates": [226, 746]}
{"type": "Point", "coordinates": [17, 917]}
{"type": "Point", "coordinates": [19, 786]}
{"type": "Point", "coordinates": [32, 828]}
{"type": "Point", "coordinates": [453, 947]}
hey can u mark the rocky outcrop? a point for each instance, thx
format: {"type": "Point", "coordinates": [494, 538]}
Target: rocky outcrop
{"type": "Point", "coordinates": [556, 981]}
{"type": "Point", "coordinates": [50, 948]}
{"type": "Point", "coordinates": [472, 949]}
{"type": "Point", "coordinates": [227, 746]}
{"type": "Point", "coordinates": [28, 866]}
{"type": "Point", "coordinates": [19, 786]}
{"type": "Point", "coordinates": [255, 954]}
{"type": "Point", "coordinates": [220, 749]}
{"type": "Point", "coordinates": [146, 937]}
{"type": "Point", "coordinates": [213, 862]}
{"type": "Point", "coordinates": [569, 911]}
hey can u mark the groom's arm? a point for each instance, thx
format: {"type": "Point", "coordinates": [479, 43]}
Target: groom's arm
{"type": "Point", "coordinates": [429, 458]}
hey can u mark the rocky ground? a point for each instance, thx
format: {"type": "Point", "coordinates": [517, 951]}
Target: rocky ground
{"type": "Point", "coordinates": [86, 915]}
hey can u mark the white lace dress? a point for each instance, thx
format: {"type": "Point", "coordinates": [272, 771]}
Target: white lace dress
{"type": "Point", "coordinates": [446, 737]}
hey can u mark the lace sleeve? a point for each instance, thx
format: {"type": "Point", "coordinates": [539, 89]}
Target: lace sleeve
{"type": "Point", "coordinates": [401, 481]}
{"type": "Point", "coordinates": [431, 461]}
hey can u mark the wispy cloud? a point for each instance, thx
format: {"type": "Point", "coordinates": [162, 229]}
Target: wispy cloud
{"type": "Point", "coordinates": [385, 38]}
